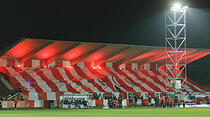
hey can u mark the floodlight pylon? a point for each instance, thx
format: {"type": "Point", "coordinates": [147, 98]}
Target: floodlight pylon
{"type": "Point", "coordinates": [175, 46]}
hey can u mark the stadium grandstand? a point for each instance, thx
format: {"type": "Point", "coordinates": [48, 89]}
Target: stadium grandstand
{"type": "Point", "coordinates": [43, 72]}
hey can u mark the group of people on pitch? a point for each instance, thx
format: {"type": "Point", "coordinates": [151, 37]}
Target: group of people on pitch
{"type": "Point", "coordinates": [165, 102]}
{"type": "Point", "coordinates": [131, 98]}
{"type": "Point", "coordinates": [75, 103]}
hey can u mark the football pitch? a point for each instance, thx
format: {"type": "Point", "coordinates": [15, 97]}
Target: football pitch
{"type": "Point", "coordinates": [96, 112]}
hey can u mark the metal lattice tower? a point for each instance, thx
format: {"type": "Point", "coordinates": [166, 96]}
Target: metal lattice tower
{"type": "Point", "coordinates": [175, 47]}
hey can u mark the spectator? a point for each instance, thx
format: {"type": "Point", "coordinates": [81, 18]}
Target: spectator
{"type": "Point", "coordinates": [178, 103]}
{"type": "Point", "coordinates": [164, 103]}
{"type": "Point", "coordinates": [172, 103]}
{"type": "Point", "coordinates": [149, 100]}
{"type": "Point", "coordinates": [15, 101]}
{"type": "Point", "coordinates": [156, 101]}
{"type": "Point", "coordinates": [120, 101]}
{"type": "Point", "coordinates": [130, 100]}
{"type": "Point", "coordinates": [85, 103]}
{"type": "Point", "coordinates": [190, 93]}
{"type": "Point", "coordinates": [183, 103]}
{"type": "Point", "coordinates": [136, 97]}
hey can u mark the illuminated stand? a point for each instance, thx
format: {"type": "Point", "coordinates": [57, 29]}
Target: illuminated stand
{"type": "Point", "coordinates": [175, 45]}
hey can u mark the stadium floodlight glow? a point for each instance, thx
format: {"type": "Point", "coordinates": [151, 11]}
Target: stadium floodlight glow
{"type": "Point", "coordinates": [178, 7]}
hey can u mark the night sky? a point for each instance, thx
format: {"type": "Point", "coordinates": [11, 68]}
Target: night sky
{"type": "Point", "coordinates": [139, 22]}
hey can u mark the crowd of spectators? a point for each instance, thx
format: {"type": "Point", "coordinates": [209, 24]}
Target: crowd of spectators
{"type": "Point", "coordinates": [75, 103]}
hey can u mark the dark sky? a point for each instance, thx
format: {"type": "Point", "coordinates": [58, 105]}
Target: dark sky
{"type": "Point", "coordinates": [113, 21]}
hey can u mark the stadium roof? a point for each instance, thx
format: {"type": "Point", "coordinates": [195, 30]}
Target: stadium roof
{"type": "Point", "coordinates": [50, 50]}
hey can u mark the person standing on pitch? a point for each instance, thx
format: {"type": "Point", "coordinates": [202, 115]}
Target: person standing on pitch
{"type": "Point", "coordinates": [136, 99]}
{"type": "Point", "coordinates": [176, 101]}
{"type": "Point", "coordinates": [15, 101]}
{"type": "Point", "coordinates": [120, 101]}
{"type": "Point", "coordinates": [149, 100]}
{"type": "Point", "coordinates": [183, 103]}
{"type": "Point", "coordinates": [156, 101]}
{"type": "Point", "coordinates": [130, 100]}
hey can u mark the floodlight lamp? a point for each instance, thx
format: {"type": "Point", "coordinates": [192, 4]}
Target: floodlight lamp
{"type": "Point", "coordinates": [176, 7]}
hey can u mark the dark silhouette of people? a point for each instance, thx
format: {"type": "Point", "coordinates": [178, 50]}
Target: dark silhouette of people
{"type": "Point", "coordinates": [15, 101]}
{"type": "Point", "coordinates": [156, 101]}
{"type": "Point", "coordinates": [130, 100]}
{"type": "Point", "coordinates": [120, 101]}
{"type": "Point", "coordinates": [136, 97]}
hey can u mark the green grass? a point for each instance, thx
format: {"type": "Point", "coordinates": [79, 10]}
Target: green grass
{"type": "Point", "coordinates": [126, 112]}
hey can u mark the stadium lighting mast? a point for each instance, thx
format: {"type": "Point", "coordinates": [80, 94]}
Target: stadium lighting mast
{"type": "Point", "coordinates": [175, 46]}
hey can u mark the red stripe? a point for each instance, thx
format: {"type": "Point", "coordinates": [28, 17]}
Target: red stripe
{"type": "Point", "coordinates": [13, 81]}
{"type": "Point", "coordinates": [104, 79]}
{"type": "Point", "coordinates": [144, 80]}
{"type": "Point", "coordinates": [132, 81]}
{"type": "Point", "coordinates": [156, 80]}
{"type": "Point", "coordinates": [11, 63]}
{"type": "Point", "coordinates": [83, 75]}
{"type": "Point", "coordinates": [73, 79]}
{"type": "Point", "coordinates": [59, 63]}
{"type": "Point", "coordinates": [157, 73]}
{"type": "Point", "coordinates": [58, 76]}
{"type": "Point", "coordinates": [122, 84]}
{"type": "Point", "coordinates": [43, 63]}
{"type": "Point", "coordinates": [52, 85]}
{"type": "Point", "coordinates": [108, 83]}
{"type": "Point", "coordinates": [90, 79]}
{"type": "Point", "coordinates": [28, 63]}
{"type": "Point", "coordinates": [41, 93]}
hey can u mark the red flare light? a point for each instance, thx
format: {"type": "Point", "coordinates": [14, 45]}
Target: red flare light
{"type": "Point", "coordinates": [45, 66]}
{"type": "Point", "coordinates": [69, 67]}
{"type": "Point", "coordinates": [96, 67]}
{"type": "Point", "coordinates": [19, 66]}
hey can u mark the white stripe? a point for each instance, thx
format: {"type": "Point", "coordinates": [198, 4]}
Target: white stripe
{"type": "Point", "coordinates": [3, 62]}
{"type": "Point", "coordinates": [161, 80]}
{"type": "Point", "coordinates": [41, 83]}
{"type": "Point", "coordinates": [89, 74]}
{"type": "Point", "coordinates": [66, 78]}
{"type": "Point", "coordinates": [110, 79]}
{"type": "Point", "coordinates": [20, 79]}
{"type": "Point", "coordinates": [137, 89]}
{"type": "Point", "coordinates": [83, 81]}
{"type": "Point", "coordinates": [36, 63]}
{"type": "Point", "coordinates": [66, 63]}
{"type": "Point", "coordinates": [50, 76]}
{"type": "Point", "coordinates": [104, 86]}
{"type": "Point", "coordinates": [144, 76]}
{"type": "Point", "coordinates": [133, 77]}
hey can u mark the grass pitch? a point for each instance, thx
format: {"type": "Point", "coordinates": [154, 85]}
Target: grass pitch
{"type": "Point", "coordinates": [126, 112]}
